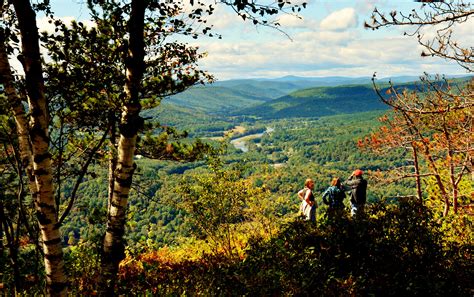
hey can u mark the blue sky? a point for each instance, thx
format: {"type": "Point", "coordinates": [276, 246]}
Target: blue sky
{"type": "Point", "coordinates": [329, 40]}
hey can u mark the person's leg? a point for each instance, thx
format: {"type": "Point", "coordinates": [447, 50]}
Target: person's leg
{"type": "Point", "coordinates": [307, 213]}
{"type": "Point", "coordinates": [312, 216]}
{"type": "Point", "coordinates": [361, 209]}
{"type": "Point", "coordinates": [354, 209]}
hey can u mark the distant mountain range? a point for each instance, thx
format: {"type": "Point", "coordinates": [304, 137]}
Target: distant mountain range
{"type": "Point", "coordinates": [289, 96]}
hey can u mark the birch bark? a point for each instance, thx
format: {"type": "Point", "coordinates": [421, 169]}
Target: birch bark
{"type": "Point", "coordinates": [46, 209]}
{"type": "Point", "coordinates": [130, 123]}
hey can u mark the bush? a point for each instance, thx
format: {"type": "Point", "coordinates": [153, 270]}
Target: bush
{"type": "Point", "coordinates": [395, 250]}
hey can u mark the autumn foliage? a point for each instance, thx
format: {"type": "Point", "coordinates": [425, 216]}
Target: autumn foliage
{"type": "Point", "coordinates": [434, 125]}
{"type": "Point", "coordinates": [398, 248]}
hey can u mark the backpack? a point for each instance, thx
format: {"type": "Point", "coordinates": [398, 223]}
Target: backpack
{"type": "Point", "coordinates": [338, 198]}
{"type": "Point", "coordinates": [335, 197]}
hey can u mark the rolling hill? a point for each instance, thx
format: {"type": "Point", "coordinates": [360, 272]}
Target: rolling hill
{"type": "Point", "coordinates": [214, 99]}
{"type": "Point", "coordinates": [317, 102]}
{"type": "Point", "coordinates": [326, 101]}
{"type": "Point", "coordinates": [225, 97]}
{"type": "Point", "coordinates": [288, 96]}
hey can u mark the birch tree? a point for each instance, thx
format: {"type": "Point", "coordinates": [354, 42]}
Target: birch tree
{"type": "Point", "coordinates": [36, 134]}
{"type": "Point", "coordinates": [131, 122]}
{"type": "Point", "coordinates": [136, 21]}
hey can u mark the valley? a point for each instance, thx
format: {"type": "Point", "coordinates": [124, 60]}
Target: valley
{"type": "Point", "coordinates": [313, 132]}
{"type": "Point", "coordinates": [236, 148]}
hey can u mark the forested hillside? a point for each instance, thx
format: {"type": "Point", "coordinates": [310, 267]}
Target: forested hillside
{"type": "Point", "coordinates": [320, 144]}
{"type": "Point", "coordinates": [209, 99]}
{"type": "Point", "coordinates": [321, 101]}
{"type": "Point", "coordinates": [281, 160]}
{"type": "Point", "coordinates": [288, 97]}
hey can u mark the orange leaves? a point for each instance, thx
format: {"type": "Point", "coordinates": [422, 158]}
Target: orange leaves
{"type": "Point", "coordinates": [436, 120]}
{"type": "Point", "coordinates": [24, 240]}
{"type": "Point", "coordinates": [375, 141]}
{"type": "Point", "coordinates": [417, 144]}
{"type": "Point", "coordinates": [385, 130]}
{"type": "Point", "coordinates": [384, 118]}
{"type": "Point", "coordinates": [169, 148]}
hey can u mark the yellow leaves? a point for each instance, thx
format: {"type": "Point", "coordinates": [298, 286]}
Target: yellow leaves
{"type": "Point", "coordinates": [417, 144]}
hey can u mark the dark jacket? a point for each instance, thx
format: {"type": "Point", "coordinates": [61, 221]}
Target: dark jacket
{"type": "Point", "coordinates": [335, 197]}
{"type": "Point", "coordinates": [358, 187]}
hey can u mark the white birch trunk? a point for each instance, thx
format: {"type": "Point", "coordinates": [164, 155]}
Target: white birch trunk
{"type": "Point", "coordinates": [130, 123]}
{"type": "Point", "coordinates": [46, 209]}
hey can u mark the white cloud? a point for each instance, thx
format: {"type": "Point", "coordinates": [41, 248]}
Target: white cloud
{"type": "Point", "coordinates": [223, 18]}
{"type": "Point", "coordinates": [45, 24]}
{"type": "Point", "coordinates": [462, 33]}
{"type": "Point", "coordinates": [329, 38]}
{"type": "Point", "coordinates": [333, 46]}
{"type": "Point", "coordinates": [291, 21]}
{"type": "Point", "coordinates": [340, 20]}
{"type": "Point", "coordinates": [321, 54]}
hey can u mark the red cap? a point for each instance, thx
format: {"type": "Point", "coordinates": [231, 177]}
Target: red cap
{"type": "Point", "coordinates": [358, 172]}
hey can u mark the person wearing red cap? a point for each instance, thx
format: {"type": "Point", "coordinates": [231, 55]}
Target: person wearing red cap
{"type": "Point", "coordinates": [358, 193]}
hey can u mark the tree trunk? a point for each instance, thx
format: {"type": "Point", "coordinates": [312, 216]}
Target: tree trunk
{"type": "Point", "coordinates": [15, 102]}
{"type": "Point", "coordinates": [12, 245]}
{"type": "Point", "coordinates": [112, 160]}
{"type": "Point", "coordinates": [46, 209]}
{"type": "Point", "coordinates": [439, 182]}
{"type": "Point", "coordinates": [19, 114]}
{"type": "Point", "coordinates": [431, 161]}
{"type": "Point", "coordinates": [1, 230]}
{"type": "Point", "coordinates": [130, 123]}
{"type": "Point", "coordinates": [417, 174]}
{"type": "Point", "coordinates": [452, 175]}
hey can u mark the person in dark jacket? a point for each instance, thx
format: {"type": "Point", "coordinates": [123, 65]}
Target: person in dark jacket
{"type": "Point", "coordinates": [334, 196]}
{"type": "Point", "coordinates": [358, 194]}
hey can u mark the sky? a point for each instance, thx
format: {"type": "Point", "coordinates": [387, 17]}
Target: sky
{"type": "Point", "coordinates": [328, 39]}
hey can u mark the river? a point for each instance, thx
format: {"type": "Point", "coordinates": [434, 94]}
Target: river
{"type": "Point", "coordinates": [241, 142]}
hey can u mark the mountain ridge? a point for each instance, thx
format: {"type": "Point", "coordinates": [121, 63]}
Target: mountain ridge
{"type": "Point", "coordinates": [269, 97]}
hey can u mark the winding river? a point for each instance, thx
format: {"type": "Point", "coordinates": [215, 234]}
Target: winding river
{"type": "Point", "coordinates": [241, 142]}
